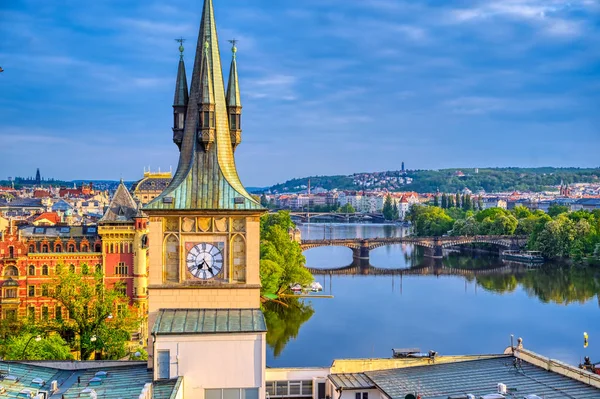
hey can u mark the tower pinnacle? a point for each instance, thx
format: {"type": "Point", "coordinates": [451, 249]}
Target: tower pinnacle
{"type": "Point", "coordinates": [234, 103]}
{"type": "Point", "coordinates": [181, 99]}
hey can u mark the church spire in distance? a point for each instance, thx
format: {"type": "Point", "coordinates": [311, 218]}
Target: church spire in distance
{"type": "Point", "coordinates": [206, 176]}
{"type": "Point", "coordinates": [180, 101]}
{"type": "Point", "coordinates": [234, 103]}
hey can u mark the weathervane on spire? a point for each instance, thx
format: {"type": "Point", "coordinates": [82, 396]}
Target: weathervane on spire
{"type": "Point", "coordinates": [180, 41]}
{"type": "Point", "coordinates": [233, 48]}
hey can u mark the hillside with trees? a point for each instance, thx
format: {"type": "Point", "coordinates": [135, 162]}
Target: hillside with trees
{"type": "Point", "coordinates": [450, 180]}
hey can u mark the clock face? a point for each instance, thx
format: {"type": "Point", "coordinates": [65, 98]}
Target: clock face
{"type": "Point", "coordinates": [205, 260]}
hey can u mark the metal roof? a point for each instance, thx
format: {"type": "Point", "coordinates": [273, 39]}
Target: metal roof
{"type": "Point", "coordinates": [351, 381]}
{"type": "Point", "coordinates": [209, 321]}
{"type": "Point", "coordinates": [122, 208]}
{"type": "Point", "coordinates": [479, 377]}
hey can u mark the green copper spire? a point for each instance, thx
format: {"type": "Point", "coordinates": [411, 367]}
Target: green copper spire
{"type": "Point", "coordinates": [206, 176]}
{"type": "Point", "coordinates": [181, 87]}
{"type": "Point", "coordinates": [234, 103]}
{"type": "Point", "coordinates": [233, 86]}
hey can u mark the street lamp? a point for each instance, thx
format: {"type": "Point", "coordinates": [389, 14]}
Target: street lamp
{"type": "Point", "coordinates": [94, 338]}
{"type": "Point", "coordinates": [37, 339]}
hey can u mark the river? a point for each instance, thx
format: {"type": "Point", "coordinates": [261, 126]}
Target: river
{"type": "Point", "coordinates": [453, 306]}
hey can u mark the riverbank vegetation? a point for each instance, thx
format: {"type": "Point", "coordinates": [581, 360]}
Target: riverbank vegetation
{"type": "Point", "coordinates": [556, 234]}
{"type": "Point", "coordinates": [281, 259]}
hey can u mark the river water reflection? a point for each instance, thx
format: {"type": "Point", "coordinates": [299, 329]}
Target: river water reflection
{"type": "Point", "coordinates": [459, 305]}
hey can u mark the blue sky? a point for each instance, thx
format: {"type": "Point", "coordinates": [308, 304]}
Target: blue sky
{"type": "Point", "coordinates": [328, 86]}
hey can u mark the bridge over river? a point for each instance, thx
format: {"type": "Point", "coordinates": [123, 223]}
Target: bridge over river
{"type": "Point", "coordinates": [361, 247]}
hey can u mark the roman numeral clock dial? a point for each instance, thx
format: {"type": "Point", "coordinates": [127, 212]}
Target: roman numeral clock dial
{"type": "Point", "coordinates": [205, 261]}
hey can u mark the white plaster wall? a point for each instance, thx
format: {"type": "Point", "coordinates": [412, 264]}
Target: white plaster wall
{"type": "Point", "coordinates": [215, 361]}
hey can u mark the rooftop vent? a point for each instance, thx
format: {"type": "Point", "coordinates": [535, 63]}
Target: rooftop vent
{"type": "Point", "coordinates": [238, 200]}
{"type": "Point", "coordinates": [167, 200]}
{"type": "Point", "coordinates": [493, 396]}
{"type": "Point", "coordinates": [38, 381]}
{"type": "Point", "coordinates": [96, 381]}
{"type": "Point", "coordinates": [88, 393]}
{"type": "Point", "coordinates": [465, 396]}
{"type": "Point", "coordinates": [27, 393]}
{"type": "Point", "coordinates": [101, 374]}
{"type": "Point", "coordinates": [533, 397]}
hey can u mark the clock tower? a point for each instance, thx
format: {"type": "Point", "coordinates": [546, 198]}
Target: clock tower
{"type": "Point", "coordinates": [204, 313]}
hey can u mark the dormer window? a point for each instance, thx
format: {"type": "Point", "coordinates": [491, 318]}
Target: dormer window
{"type": "Point", "coordinates": [234, 121]}
{"type": "Point", "coordinates": [208, 119]}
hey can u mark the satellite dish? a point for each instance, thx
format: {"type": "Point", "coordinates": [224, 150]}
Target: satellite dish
{"type": "Point", "coordinates": [410, 396]}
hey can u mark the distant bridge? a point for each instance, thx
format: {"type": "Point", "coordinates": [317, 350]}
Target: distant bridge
{"type": "Point", "coordinates": [361, 247]}
{"type": "Point", "coordinates": [337, 217]}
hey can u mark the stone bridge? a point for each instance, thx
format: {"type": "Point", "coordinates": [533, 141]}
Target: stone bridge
{"type": "Point", "coordinates": [361, 247]}
{"type": "Point", "coordinates": [337, 217]}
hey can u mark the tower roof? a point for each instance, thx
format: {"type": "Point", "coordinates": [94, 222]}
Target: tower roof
{"type": "Point", "coordinates": [206, 179]}
{"type": "Point", "coordinates": [122, 207]}
{"type": "Point", "coordinates": [181, 87]}
{"type": "Point", "coordinates": [233, 86]}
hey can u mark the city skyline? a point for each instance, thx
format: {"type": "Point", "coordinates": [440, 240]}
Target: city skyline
{"type": "Point", "coordinates": [95, 82]}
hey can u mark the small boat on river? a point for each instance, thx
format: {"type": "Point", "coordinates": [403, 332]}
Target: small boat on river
{"type": "Point", "coordinates": [530, 257]}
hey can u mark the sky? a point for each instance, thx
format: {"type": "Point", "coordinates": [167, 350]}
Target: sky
{"type": "Point", "coordinates": [328, 86]}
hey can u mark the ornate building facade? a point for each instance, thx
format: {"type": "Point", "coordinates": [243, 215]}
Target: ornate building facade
{"type": "Point", "coordinates": [29, 256]}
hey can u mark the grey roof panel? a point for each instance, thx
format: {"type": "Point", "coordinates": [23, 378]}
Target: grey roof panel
{"type": "Point", "coordinates": [351, 381]}
{"type": "Point", "coordinates": [479, 377]}
{"type": "Point", "coordinates": [209, 321]}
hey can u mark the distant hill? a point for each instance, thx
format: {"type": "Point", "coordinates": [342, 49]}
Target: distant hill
{"type": "Point", "coordinates": [448, 180]}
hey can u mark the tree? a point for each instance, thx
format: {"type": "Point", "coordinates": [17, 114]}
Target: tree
{"type": "Point", "coordinates": [555, 210]}
{"type": "Point", "coordinates": [347, 208]}
{"type": "Point", "coordinates": [92, 311]}
{"type": "Point", "coordinates": [480, 203]}
{"type": "Point", "coordinates": [457, 201]}
{"type": "Point", "coordinates": [450, 201]}
{"type": "Point", "coordinates": [388, 210]}
{"type": "Point", "coordinates": [444, 201]}
{"type": "Point", "coordinates": [26, 347]}
{"type": "Point", "coordinates": [281, 259]}
{"type": "Point", "coordinates": [436, 201]}
{"type": "Point", "coordinates": [429, 221]}
{"type": "Point", "coordinates": [395, 212]}
{"type": "Point", "coordinates": [264, 201]}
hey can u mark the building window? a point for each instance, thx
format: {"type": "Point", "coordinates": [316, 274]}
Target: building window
{"type": "Point", "coordinates": [11, 271]}
{"type": "Point", "coordinates": [121, 288]}
{"type": "Point", "coordinates": [235, 393]}
{"type": "Point", "coordinates": [11, 252]}
{"type": "Point", "coordinates": [31, 270]}
{"type": "Point", "coordinates": [10, 315]}
{"type": "Point", "coordinates": [361, 395]}
{"type": "Point", "coordinates": [85, 248]}
{"type": "Point", "coordinates": [72, 268]}
{"type": "Point", "coordinates": [31, 248]}
{"type": "Point", "coordinates": [98, 268]}
{"type": "Point", "coordinates": [58, 248]}
{"type": "Point", "coordinates": [45, 313]}
{"type": "Point", "coordinates": [98, 247]}
{"type": "Point", "coordinates": [31, 313]}
{"type": "Point", "coordinates": [85, 269]}
{"type": "Point", "coordinates": [10, 293]}
{"type": "Point", "coordinates": [58, 313]}
{"type": "Point", "coordinates": [45, 248]}
{"type": "Point", "coordinates": [44, 270]}
{"type": "Point", "coordinates": [290, 388]}
{"type": "Point", "coordinates": [121, 269]}
{"type": "Point", "coordinates": [71, 248]}
{"type": "Point", "coordinates": [31, 290]}
{"type": "Point", "coordinates": [45, 290]}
